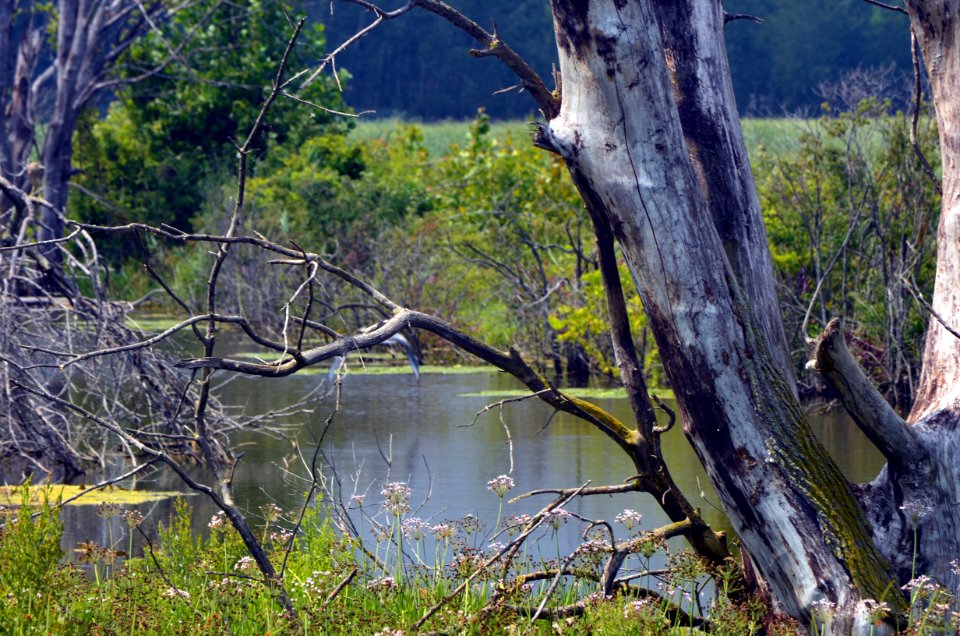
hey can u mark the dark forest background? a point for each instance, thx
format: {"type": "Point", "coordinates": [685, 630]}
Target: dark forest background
{"type": "Point", "coordinates": [418, 67]}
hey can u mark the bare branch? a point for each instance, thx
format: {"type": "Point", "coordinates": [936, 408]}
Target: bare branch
{"type": "Point", "coordinates": [583, 492]}
{"type": "Point", "coordinates": [863, 402]}
{"type": "Point", "coordinates": [889, 7]}
{"type": "Point", "coordinates": [490, 45]}
{"type": "Point", "coordinates": [918, 295]}
{"type": "Point", "coordinates": [731, 17]}
{"type": "Point", "coordinates": [506, 550]}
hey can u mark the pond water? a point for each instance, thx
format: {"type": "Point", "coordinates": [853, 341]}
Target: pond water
{"type": "Point", "coordinates": [422, 432]}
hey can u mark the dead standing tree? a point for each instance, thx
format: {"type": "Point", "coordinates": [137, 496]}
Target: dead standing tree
{"type": "Point", "coordinates": [54, 63]}
{"type": "Point", "coordinates": [647, 125]}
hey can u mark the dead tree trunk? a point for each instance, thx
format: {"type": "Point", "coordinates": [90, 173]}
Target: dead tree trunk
{"type": "Point", "coordinates": [72, 68]}
{"type": "Point", "coordinates": [627, 141]}
{"type": "Point", "coordinates": [936, 25]}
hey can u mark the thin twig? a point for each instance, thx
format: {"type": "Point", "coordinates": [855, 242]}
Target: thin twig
{"type": "Point", "coordinates": [889, 7]}
{"type": "Point", "coordinates": [342, 585]}
{"type": "Point", "coordinates": [533, 525]}
{"type": "Point", "coordinates": [912, 288]}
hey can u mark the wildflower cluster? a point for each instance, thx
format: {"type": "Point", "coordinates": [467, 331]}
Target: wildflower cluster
{"type": "Point", "coordinates": [107, 510]}
{"type": "Point", "coordinates": [516, 523]}
{"type": "Point", "coordinates": [496, 547]}
{"type": "Point", "coordinates": [674, 592]}
{"type": "Point", "coordinates": [930, 605]}
{"type": "Point", "coordinates": [218, 521]}
{"type": "Point", "coordinates": [245, 563]}
{"type": "Point", "coordinates": [271, 512]}
{"type": "Point", "coordinates": [471, 524]}
{"type": "Point", "coordinates": [313, 584]}
{"type": "Point", "coordinates": [638, 607]}
{"type": "Point", "coordinates": [414, 528]}
{"type": "Point", "coordinates": [593, 552]}
{"type": "Point", "coordinates": [173, 592]}
{"type": "Point", "coordinates": [556, 518]}
{"type": "Point", "coordinates": [877, 611]}
{"type": "Point", "coordinates": [442, 531]}
{"type": "Point", "coordinates": [466, 563]}
{"type": "Point", "coordinates": [281, 537]}
{"type": "Point", "coordinates": [382, 584]}
{"type": "Point", "coordinates": [91, 552]}
{"type": "Point", "coordinates": [396, 498]}
{"type": "Point", "coordinates": [629, 518]}
{"type": "Point", "coordinates": [380, 532]}
{"type": "Point", "coordinates": [500, 485]}
{"type": "Point", "coordinates": [132, 518]}
{"type": "Point", "coordinates": [823, 609]}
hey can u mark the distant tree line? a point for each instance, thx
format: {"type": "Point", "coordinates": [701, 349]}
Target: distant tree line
{"type": "Point", "coordinates": [419, 68]}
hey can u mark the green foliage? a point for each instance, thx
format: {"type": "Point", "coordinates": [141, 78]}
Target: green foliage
{"type": "Point", "coordinates": [328, 191]}
{"type": "Point", "coordinates": [510, 211]}
{"type": "Point", "coordinates": [855, 195]}
{"type": "Point", "coordinates": [189, 582]}
{"type": "Point", "coordinates": [168, 139]}
{"type": "Point", "coordinates": [29, 546]}
{"type": "Point", "coordinates": [586, 324]}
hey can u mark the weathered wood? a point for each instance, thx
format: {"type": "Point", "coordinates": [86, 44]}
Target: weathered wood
{"type": "Point", "coordinates": [936, 24]}
{"type": "Point", "coordinates": [696, 57]}
{"type": "Point", "coordinates": [875, 417]}
{"type": "Point", "coordinates": [619, 131]}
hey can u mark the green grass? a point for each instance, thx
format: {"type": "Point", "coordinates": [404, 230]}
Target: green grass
{"type": "Point", "coordinates": [777, 135]}
{"type": "Point", "coordinates": [438, 137]}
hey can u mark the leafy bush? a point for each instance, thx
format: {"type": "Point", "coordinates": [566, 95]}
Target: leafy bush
{"type": "Point", "coordinates": [169, 138]}
{"type": "Point", "coordinates": [854, 208]}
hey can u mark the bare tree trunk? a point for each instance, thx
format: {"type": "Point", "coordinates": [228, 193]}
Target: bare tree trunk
{"type": "Point", "coordinates": [621, 135]}
{"type": "Point", "coordinates": [936, 25]}
{"type": "Point", "coordinates": [57, 156]}
{"type": "Point", "coordinates": [90, 39]}
{"type": "Point", "coordinates": [697, 60]}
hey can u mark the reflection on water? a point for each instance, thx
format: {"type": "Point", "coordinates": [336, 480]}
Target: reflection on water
{"type": "Point", "coordinates": [396, 428]}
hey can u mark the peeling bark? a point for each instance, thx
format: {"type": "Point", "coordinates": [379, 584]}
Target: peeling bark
{"type": "Point", "coordinates": [875, 417]}
{"type": "Point", "coordinates": [912, 504]}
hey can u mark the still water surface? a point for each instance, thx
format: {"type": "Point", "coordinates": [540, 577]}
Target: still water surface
{"type": "Point", "coordinates": [398, 428]}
